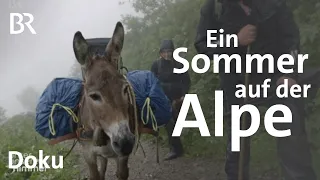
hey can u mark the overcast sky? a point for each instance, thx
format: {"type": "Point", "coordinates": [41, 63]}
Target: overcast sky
{"type": "Point", "coordinates": [27, 59]}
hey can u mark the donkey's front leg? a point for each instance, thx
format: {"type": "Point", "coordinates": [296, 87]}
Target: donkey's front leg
{"type": "Point", "coordinates": [103, 167]}
{"type": "Point", "coordinates": [91, 161]}
{"type": "Point", "coordinates": [122, 168]}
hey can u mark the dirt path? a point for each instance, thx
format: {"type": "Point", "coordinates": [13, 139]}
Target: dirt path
{"type": "Point", "coordinates": [184, 168]}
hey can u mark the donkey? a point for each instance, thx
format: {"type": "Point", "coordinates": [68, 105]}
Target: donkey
{"type": "Point", "coordinates": [105, 107]}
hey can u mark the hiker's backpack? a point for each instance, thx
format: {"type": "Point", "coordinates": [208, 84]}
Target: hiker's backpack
{"type": "Point", "coordinates": [154, 107]}
{"type": "Point", "coordinates": [55, 110]}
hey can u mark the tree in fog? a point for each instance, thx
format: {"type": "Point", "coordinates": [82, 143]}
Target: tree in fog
{"type": "Point", "coordinates": [3, 116]}
{"type": "Point", "coordinates": [29, 99]}
{"type": "Point", "coordinates": [75, 70]}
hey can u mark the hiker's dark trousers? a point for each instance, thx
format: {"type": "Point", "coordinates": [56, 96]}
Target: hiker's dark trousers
{"type": "Point", "coordinates": [293, 151]}
{"type": "Point", "coordinates": [174, 142]}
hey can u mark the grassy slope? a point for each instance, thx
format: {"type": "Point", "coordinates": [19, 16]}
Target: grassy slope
{"type": "Point", "coordinates": [18, 135]}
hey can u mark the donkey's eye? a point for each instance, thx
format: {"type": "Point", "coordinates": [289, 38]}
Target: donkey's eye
{"type": "Point", "coordinates": [95, 97]}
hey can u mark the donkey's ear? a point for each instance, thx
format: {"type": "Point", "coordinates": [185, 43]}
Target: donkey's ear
{"type": "Point", "coordinates": [80, 48]}
{"type": "Point", "coordinates": [114, 47]}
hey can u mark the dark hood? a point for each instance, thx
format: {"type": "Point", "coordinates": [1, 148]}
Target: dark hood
{"type": "Point", "coordinates": [166, 44]}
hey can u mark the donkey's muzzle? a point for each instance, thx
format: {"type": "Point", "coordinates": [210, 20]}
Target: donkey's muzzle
{"type": "Point", "coordinates": [123, 145]}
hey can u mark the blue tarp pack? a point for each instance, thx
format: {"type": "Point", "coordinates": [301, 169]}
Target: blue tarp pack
{"type": "Point", "coordinates": [61, 95]}
{"type": "Point", "coordinates": [153, 105]}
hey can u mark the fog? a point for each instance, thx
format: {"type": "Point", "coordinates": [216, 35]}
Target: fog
{"type": "Point", "coordinates": [28, 59]}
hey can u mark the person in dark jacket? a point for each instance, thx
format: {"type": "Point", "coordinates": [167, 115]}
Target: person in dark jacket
{"type": "Point", "coordinates": [175, 86]}
{"type": "Point", "coordinates": [267, 27]}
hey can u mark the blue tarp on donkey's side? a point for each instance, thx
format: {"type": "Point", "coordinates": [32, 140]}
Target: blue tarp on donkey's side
{"type": "Point", "coordinates": [146, 86]}
{"type": "Point", "coordinates": [60, 92]}
{"type": "Point", "coordinates": [61, 97]}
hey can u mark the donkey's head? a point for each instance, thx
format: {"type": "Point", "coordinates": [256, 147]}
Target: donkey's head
{"type": "Point", "coordinates": [106, 90]}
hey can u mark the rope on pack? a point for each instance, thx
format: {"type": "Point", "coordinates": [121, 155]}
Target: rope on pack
{"type": "Point", "coordinates": [51, 121]}
{"type": "Point", "coordinates": [149, 114]}
{"type": "Point", "coordinates": [132, 100]}
{"type": "Point", "coordinates": [155, 126]}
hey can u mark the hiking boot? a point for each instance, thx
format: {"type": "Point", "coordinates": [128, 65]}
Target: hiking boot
{"type": "Point", "coordinates": [173, 155]}
{"type": "Point", "coordinates": [176, 149]}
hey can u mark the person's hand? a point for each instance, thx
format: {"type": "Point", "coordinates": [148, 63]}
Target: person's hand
{"type": "Point", "coordinates": [291, 81]}
{"type": "Point", "coordinates": [247, 35]}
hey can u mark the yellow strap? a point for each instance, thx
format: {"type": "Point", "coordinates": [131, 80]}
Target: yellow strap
{"type": "Point", "coordinates": [149, 113]}
{"type": "Point", "coordinates": [51, 121]}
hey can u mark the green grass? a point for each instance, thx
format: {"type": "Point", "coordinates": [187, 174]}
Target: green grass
{"type": "Point", "coordinates": [18, 134]}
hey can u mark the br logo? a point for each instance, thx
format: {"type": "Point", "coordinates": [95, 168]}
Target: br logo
{"type": "Point", "coordinates": [16, 19]}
